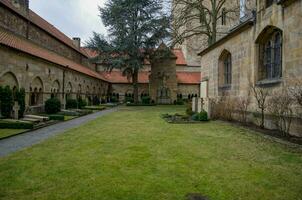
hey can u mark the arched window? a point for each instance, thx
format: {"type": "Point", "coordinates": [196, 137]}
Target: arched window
{"type": "Point", "coordinates": [271, 57]}
{"type": "Point", "coordinates": [225, 70]}
{"type": "Point", "coordinates": [228, 70]}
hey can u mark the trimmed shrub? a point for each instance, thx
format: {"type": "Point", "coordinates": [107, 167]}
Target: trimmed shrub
{"type": "Point", "coordinates": [113, 99]}
{"type": "Point", "coordinates": [6, 98]}
{"type": "Point", "coordinates": [20, 98]}
{"type": "Point", "coordinates": [15, 125]}
{"type": "Point", "coordinates": [146, 100]}
{"type": "Point", "coordinates": [179, 102]}
{"type": "Point", "coordinates": [81, 103]}
{"type": "Point", "coordinates": [52, 106]}
{"type": "Point", "coordinates": [202, 116]}
{"type": "Point", "coordinates": [71, 104]}
{"type": "Point", "coordinates": [129, 99]}
{"type": "Point", "coordinates": [96, 101]}
{"type": "Point", "coordinates": [56, 117]}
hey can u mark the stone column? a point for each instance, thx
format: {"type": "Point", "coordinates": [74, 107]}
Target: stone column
{"type": "Point", "coordinates": [200, 105]}
{"type": "Point", "coordinates": [194, 104]}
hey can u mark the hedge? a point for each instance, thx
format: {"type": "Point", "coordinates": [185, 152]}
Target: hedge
{"type": "Point", "coordinates": [15, 125]}
{"type": "Point", "coordinates": [56, 117]}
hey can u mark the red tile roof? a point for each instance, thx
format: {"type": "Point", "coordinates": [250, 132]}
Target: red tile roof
{"type": "Point", "coordinates": [91, 53]}
{"type": "Point", "coordinates": [117, 77]}
{"type": "Point", "coordinates": [46, 26]}
{"type": "Point", "coordinates": [180, 57]}
{"type": "Point", "coordinates": [13, 41]}
{"type": "Point", "coordinates": [143, 77]}
{"type": "Point", "coordinates": [189, 77]}
{"type": "Point", "coordinates": [177, 52]}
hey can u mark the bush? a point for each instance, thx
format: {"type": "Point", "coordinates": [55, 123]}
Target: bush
{"type": "Point", "coordinates": [20, 98]}
{"type": "Point", "coordinates": [146, 100]}
{"type": "Point", "coordinates": [113, 99]}
{"type": "Point", "coordinates": [71, 104]}
{"type": "Point", "coordinates": [52, 106]}
{"type": "Point", "coordinates": [179, 102]}
{"type": "Point", "coordinates": [202, 116]}
{"type": "Point", "coordinates": [57, 117]}
{"type": "Point", "coordinates": [96, 101]}
{"type": "Point", "coordinates": [81, 103]}
{"type": "Point", "coordinates": [129, 99]}
{"type": "Point", "coordinates": [15, 125]}
{"type": "Point", "coordinates": [6, 98]}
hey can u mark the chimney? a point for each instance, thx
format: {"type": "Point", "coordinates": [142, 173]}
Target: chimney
{"type": "Point", "coordinates": [22, 5]}
{"type": "Point", "coordinates": [77, 42]}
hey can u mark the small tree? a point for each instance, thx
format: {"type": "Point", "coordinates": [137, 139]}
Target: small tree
{"type": "Point", "coordinates": [280, 106]}
{"type": "Point", "coordinates": [261, 95]}
{"type": "Point", "coordinates": [242, 107]}
{"type": "Point", "coordinates": [52, 106]}
{"type": "Point", "coordinates": [20, 98]}
{"type": "Point", "coordinates": [6, 101]}
{"type": "Point", "coordinates": [296, 92]}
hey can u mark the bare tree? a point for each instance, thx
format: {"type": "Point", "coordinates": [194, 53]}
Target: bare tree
{"type": "Point", "coordinates": [242, 107]}
{"type": "Point", "coordinates": [201, 17]}
{"type": "Point", "coordinates": [261, 95]}
{"type": "Point", "coordinates": [280, 107]}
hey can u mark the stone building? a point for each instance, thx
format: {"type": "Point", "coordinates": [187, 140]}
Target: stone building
{"type": "Point", "coordinates": [263, 51]}
{"type": "Point", "coordinates": [38, 57]}
{"type": "Point", "coordinates": [164, 80]}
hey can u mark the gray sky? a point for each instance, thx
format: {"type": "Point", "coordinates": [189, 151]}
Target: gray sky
{"type": "Point", "coordinates": [75, 18]}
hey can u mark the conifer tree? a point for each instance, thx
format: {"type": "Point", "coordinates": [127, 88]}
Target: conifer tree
{"type": "Point", "coordinates": [135, 28]}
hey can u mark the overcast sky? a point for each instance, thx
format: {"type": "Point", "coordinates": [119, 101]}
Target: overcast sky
{"type": "Point", "coordinates": [75, 18]}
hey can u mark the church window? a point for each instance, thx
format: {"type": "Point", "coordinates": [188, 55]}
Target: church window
{"type": "Point", "coordinates": [225, 70]}
{"type": "Point", "coordinates": [271, 56]}
{"type": "Point", "coordinates": [223, 17]}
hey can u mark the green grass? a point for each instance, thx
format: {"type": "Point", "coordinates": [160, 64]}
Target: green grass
{"type": "Point", "coordinates": [9, 132]}
{"type": "Point", "coordinates": [134, 154]}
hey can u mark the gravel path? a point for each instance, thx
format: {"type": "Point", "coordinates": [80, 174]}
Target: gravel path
{"type": "Point", "coordinates": [18, 142]}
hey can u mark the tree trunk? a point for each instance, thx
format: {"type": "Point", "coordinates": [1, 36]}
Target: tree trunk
{"type": "Point", "coordinates": [135, 85]}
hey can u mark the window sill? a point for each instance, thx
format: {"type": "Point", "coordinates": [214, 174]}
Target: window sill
{"type": "Point", "coordinates": [269, 82]}
{"type": "Point", "coordinates": [225, 87]}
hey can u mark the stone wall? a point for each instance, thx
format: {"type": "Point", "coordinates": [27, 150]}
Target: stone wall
{"type": "Point", "coordinates": [31, 72]}
{"type": "Point", "coordinates": [21, 26]}
{"type": "Point", "coordinates": [188, 89]}
{"type": "Point", "coordinates": [245, 55]}
{"type": "Point", "coordinates": [163, 81]}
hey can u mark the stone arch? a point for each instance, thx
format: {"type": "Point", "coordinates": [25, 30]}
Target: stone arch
{"type": "Point", "coordinates": [55, 88]}
{"type": "Point", "coordinates": [9, 79]}
{"type": "Point", "coordinates": [269, 46]}
{"type": "Point", "coordinates": [36, 92]}
{"type": "Point", "coordinates": [69, 90]}
{"type": "Point", "coordinates": [225, 69]}
{"type": "Point", "coordinates": [266, 33]}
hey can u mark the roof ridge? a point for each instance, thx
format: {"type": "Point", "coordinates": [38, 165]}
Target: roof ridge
{"type": "Point", "coordinates": [66, 40]}
{"type": "Point", "coordinates": [7, 39]}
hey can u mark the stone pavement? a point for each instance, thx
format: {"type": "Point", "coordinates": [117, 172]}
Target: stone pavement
{"type": "Point", "coordinates": [18, 142]}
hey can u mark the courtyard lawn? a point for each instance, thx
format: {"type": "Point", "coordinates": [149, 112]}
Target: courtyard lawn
{"type": "Point", "coordinates": [10, 132]}
{"type": "Point", "coordinates": [133, 154]}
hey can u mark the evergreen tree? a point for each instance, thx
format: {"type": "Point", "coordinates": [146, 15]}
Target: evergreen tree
{"type": "Point", "coordinates": [135, 28]}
